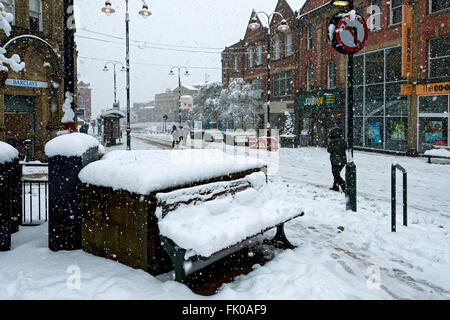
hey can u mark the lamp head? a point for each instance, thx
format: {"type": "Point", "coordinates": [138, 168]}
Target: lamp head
{"type": "Point", "coordinates": [108, 9]}
{"type": "Point", "coordinates": [171, 73]}
{"type": "Point", "coordinates": [105, 69]}
{"type": "Point", "coordinates": [254, 24]}
{"type": "Point", "coordinates": [145, 12]}
{"type": "Point", "coordinates": [187, 74]}
{"type": "Point", "coordinates": [123, 69]}
{"type": "Point", "coordinates": [283, 27]}
{"type": "Point", "coordinates": [341, 3]}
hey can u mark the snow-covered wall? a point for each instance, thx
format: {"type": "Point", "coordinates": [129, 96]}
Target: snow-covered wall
{"type": "Point", "coordinates": [7, 153]}
{"type": "Point", "coordinates": [70, 145]}
{"type": "Point", "coordinates": [144, 171]}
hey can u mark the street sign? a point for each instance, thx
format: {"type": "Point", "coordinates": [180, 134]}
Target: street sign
{"type": "Point", "coordinates": [348, 32]}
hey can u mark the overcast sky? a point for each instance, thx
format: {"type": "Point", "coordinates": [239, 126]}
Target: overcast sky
{"type": "Point", "coordinates": [175, 28]}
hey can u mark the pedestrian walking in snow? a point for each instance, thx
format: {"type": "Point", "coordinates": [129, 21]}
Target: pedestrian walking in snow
{"type": "Point", "coordinates": [338, 158]}
{"type": "Point", "coordinates": [175, 136]}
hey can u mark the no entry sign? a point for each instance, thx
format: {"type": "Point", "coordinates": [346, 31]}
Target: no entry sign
{"type": "Point", "coordinates": [347, 32]}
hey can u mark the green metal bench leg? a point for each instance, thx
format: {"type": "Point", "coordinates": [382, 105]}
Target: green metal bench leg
{"type": "Point", "coordinates": [280, 240]}
{"type": "Point", "coordinates": [177, 256]}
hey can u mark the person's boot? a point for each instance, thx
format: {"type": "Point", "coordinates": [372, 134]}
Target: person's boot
{"type": "Point", "coordinates": [334, 188]}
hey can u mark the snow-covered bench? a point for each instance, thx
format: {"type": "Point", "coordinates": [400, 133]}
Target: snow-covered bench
{"type": "Point", "coordinates": [438, 153]}
{"type": "Point", "coordinates": [203, 224]}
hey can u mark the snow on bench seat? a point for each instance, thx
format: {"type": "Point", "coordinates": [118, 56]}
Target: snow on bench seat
{"type": "Point", "coordinates": [205, 228]}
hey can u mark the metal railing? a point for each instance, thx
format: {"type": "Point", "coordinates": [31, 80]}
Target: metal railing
{"type": "Point", "coordinates": [34, 197]}
{"type": "Point", "coordinates": [393, 196]}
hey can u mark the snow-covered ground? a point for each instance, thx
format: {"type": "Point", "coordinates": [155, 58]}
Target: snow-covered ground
{"type": "Point", "coordinates": [339, 254]}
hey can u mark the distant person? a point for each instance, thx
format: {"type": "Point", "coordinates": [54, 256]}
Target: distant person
{"type": "Point", "coordinates": [175, 138]}
{"type": "Point", "coordinates": [338, 158]}
{"type": "Point", "coordinates": [181, 136]}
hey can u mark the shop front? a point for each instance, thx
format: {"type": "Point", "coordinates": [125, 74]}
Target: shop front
{"type": "Point", "coordinates": [433, 116]}
{"type": "Point", "coordinates": [318, 113]}
{"type": "Point", "coordinates": [29, 100]}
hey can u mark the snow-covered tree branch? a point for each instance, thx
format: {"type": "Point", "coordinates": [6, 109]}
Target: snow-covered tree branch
{"type": "Point", "coordinates": [234, 104]}
{"type": "Point", "coordinates": [14, 62]}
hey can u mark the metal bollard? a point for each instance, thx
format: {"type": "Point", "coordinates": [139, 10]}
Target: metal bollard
{"type": "Point", "coordinates": [393, 196]}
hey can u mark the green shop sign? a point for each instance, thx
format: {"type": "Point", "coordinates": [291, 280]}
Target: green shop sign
{"type": "Point", "coordinates": [326, 100]}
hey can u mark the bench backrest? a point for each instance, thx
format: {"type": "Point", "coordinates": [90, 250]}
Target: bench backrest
{"type": "Point", "coordinates": [167, 202]}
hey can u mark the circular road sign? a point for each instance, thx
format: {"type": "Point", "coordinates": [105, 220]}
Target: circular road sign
{"type": "Point", "coordinates": [348, 32]}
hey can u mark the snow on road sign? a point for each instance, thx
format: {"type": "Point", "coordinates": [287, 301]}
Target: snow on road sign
{"type": "Point", "coordinates": [348, 32]}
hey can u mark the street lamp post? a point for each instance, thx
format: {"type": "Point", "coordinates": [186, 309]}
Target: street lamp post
{"type": "Point", "coordinates": [284, 28]}
{"type": "Point", "coordinates": [108, 10]}
{"type": "Point", "coordinates": [179, 68]}
{"type": "Point", "coordinates": [350, 169]}
{"type": "Point", "coordinates": [105, 69]}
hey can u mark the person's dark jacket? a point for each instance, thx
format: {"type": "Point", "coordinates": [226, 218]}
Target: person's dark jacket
{"type": "Point", "coordinates": [337, 148]}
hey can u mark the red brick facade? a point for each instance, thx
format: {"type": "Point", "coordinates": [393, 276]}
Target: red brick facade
{"type": "Point", "coordinates": [84, 99]}
{"type": "Point", "coordinates": [427, 25]}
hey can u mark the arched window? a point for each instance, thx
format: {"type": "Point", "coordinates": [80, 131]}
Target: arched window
{"type": "Point", "coordinates": [36, 15]}
{"type": "Point", "coordinates": [9, 7]}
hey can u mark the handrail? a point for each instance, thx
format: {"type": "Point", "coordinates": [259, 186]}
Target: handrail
{"type": "Point", "coordinates": [393, 196]}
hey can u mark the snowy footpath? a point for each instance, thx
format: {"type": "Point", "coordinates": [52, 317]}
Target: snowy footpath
{"type": "Point", "coordinates": [339, 254]}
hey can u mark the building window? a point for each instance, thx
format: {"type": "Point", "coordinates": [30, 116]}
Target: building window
{"type": "Point", "coordinates": [439, 57]}
{"type": "Point", "coordinates": [396, 11]}
{"type": "Point", "coordinates": [438, 5]}
{"type": "Point", "coordinates": [310, 35]}
{"type": "Point", "coordinates": [259, 55]}
{"type": "Point", "coordinates": [310, 78]}
{"type": "Point", "coordinates": [257, 88]}
{"type": "Point", "coordinates": [282, 84]}
{"type": "Point", "coordinates": [276, 48]}
{"type": "Point", "coordinates": [250, 58]}
{"type": "Point", "coordinates": [9, 7]}
{"type": "Point", "coordinates": [288, 45]}
{"type": "Point", "coordinates": [331, 75]}
{"type": "Point", "coordinates": [36, 15]}
{"type": "Point", "coordinates": [235, 64]}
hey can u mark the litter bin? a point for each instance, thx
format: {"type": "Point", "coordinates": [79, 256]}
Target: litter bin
{"type": "Point", "coordinates": [67, 155]}
{"type": "Point", "coordinates": [9, 189]}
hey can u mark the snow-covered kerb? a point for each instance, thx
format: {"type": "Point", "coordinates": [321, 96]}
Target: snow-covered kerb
{"type": "Point", "coordinates": [7, 153]}
{"type": "Point", "coordinates": [70, 145]}
{"type": "Point", "coordinates": [14, 62]}
{"type": "Point", "coordinates": [145, 171]}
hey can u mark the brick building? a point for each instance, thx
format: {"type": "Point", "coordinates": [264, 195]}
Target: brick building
{"type": "Point", "coordinates": [384, 119]}
{"type": "Point", "coordinates": [84, 100]}
{"type": "Point", "coordinates": [31, 100]}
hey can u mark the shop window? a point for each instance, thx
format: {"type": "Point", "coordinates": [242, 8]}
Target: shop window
{"type": "Point", "coordinates": [439, 57]}
{"type": "Point", "coordinates": [374, 100]}
{"type": "Point", "coordinates": [358, 131]}
{"type": "Point", "coordinates": [358, 100]}
{"type": "Point", "coordinates": [438, 5]}
{"type": "Point", "coordinates": [9, 7]}
{"type": "Point", "coordinates": [235, 64]}
{"type": "Point", "coordinates": [358, 70]}
{"type": "Point", "coordinates": [374, 67]}
{"type": "Point", "coordinates": [394, 64]}
{"type": "Point", "coordinates": [259, 55]}
{"type": "Point", "coordinates": [310, 78]}
{"type": "Point", "coordinates": [276, 48]}
{"type": "Point", "coordinates": [395, 11]}
{"type": "Point", "coordinates": [310, 39]}
{"type": "Point", "coordinates": [288, 45]}
{"type": "Point", "coordinates": [36, 15]}
{"type": "Point", "coordinates": [282, 84]}
{"type": "Point", "coordinates": [396, 105]}
{"type": "Point", "coordinates": [432, 131]}
{"type": "Point", "coordinates": [396, 133]}
{"type": "Point", "coordinates": [434, 104]}
{"type": "Point", "coordinates": [374, 132]}
{"type": "Point", "coordinates": [331, 75]}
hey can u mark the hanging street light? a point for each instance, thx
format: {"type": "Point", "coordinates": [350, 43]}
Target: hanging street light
{"type": "Point", "coordinates": [109, 10]}
{"type": "Point", "coordinates": [284, 28]}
